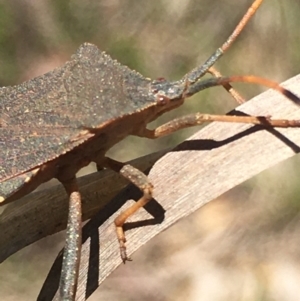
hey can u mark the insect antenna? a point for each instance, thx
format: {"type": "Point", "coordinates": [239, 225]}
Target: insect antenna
{"type": "Point", "coordinates": [221, 81]}
{"type": "Point", "coordinates": [199, 71]}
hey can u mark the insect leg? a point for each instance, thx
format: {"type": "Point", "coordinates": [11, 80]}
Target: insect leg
{"type": "Point", "coordinates": [198, 118]}
{"type": "Point", "coordinates": [71, 257]}
{"type": "Point", "coordinates": [235, 94]}
{"type": "Point", "coordinates": [140, 180]}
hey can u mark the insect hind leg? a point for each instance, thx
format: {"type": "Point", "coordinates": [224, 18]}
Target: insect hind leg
{"type": "Point", "coordinates": [72, 250]}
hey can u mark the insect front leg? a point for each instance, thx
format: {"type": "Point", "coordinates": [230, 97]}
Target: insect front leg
{"type": "Point", "coordinates": [140, 180]}
{"type": "Point", "coordinates": [71, 257]}
{"type": "Point", "coordinates": [234, 93]}
{"type": "Point", "coordinates": [199, 118]}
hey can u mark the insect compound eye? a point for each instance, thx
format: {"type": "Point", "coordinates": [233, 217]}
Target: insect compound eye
{"type": "Point", "coordinates": [162, 100]}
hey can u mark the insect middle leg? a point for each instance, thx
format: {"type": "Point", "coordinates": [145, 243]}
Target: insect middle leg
{"type": "Point", "coordinates": [140, 180]}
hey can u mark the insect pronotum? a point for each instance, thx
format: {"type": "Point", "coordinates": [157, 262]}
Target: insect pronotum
{"type": "Point", "coordinates": [59, 118]}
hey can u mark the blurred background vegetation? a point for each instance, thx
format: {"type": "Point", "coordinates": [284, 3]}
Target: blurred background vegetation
{"type": "Point", "coordinates": [244, 246]}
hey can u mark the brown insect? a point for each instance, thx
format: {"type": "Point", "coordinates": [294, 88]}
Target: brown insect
{"type": "Point", "coordinates": [55, 124]}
